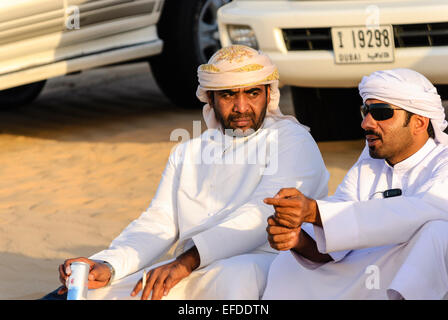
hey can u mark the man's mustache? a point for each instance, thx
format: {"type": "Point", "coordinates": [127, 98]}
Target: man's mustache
{"type": "Point", "coordinates": [239, 116]}
{"type": "Point", "coordinates": [373, 133]}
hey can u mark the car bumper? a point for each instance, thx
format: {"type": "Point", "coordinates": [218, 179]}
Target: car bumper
{"type": "Point", "coordinates": [316, 68]}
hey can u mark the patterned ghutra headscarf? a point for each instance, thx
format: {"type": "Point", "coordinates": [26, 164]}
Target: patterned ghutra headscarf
{"type": "Point", "coordinates": [235, 67]}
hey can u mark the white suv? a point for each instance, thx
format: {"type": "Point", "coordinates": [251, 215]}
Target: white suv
{"type": "Point", "coordinates": [41, 39]}
{"type": "Point", "coordinates": [323, 48]}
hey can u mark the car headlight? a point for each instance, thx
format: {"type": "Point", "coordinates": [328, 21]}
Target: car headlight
{"type": "Point", "coordinates": [240, 34]}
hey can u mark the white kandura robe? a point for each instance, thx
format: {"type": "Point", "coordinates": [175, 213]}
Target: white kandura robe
{"type": "Point", "coordinates": [219, 208]}
{"type": "Point", "coordinates": [382, 248]}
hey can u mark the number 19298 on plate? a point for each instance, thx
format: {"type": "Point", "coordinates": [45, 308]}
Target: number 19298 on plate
{"type": "Point", "coordinates": [354, 45]}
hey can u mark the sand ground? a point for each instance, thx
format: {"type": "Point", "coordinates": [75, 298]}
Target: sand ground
{"type": "Point", "coordinates": [83, 161]}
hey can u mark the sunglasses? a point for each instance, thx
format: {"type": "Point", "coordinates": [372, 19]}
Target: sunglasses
{"type": "Point", "coordinates": [378, 111]}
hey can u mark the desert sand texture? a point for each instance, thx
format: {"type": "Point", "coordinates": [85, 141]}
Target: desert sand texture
{"type": "Point", "coordinates": [83, 161]}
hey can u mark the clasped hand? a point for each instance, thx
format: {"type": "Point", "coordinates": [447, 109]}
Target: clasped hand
{"type": "Point", "coordinates": [292, 208]}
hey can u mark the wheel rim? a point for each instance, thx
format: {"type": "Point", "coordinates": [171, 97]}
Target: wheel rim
{"type": "Point", "coordinates": [208, 34]}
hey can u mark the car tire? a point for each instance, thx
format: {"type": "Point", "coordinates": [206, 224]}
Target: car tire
{"type": "Point", "coordinates": [190, 36]}
{"type": "Point", "coordinates": [18, 96]}
{"type": "Point", "coordinates": [331, 113]}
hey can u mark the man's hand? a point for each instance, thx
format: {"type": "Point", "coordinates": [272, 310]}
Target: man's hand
{"type": "Point", "coordinates": [99, 274]}
{"type": "Point", "coordinates": [292, 208]}
{"type": "Point", "coordinates": [280, 237]}
{"type": "Point", "coordinates": [160, 280]}
{"type": "Point", "coordinates": [284, 229]}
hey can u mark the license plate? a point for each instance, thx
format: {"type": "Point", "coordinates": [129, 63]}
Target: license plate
{"type": "Point", "coordinates": [355, 45]}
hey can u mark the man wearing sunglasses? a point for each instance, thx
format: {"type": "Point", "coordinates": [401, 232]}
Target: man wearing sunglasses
{"type": "Point", "coordinates": [384, 233]}
{"type": "Point", "coordinates": [400, 144]}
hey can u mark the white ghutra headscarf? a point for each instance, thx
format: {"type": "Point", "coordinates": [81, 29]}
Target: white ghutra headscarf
{"type": "Point", "coordinates": [409, 90]}
{"type": "Point", "coordinates": [235, 67]}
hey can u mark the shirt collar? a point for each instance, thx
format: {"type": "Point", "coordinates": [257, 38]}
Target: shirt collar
{"type": "Point", "coordinates": [413, 160]}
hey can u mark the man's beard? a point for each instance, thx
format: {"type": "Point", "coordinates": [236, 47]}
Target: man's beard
{"type": "Point", "coordinates": [373, 151]}
{"type": "Point", "coordinates": [226, 123]}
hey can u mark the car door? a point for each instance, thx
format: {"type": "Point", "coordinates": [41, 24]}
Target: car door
{"type": "Point", "coordinates": [21, 21]}
{"type": "Point", "coordinates": [86, 13]}
{"type": "Point", "coordinates": [93, 26]}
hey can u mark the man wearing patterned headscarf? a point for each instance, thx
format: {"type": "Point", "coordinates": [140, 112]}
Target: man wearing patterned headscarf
{"type": "Point", "coordinates": [250, 67]}
{"type": "Point", "coordinates": [210, 198]}
{"type": "Point", "coordinates": [384, 233]}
